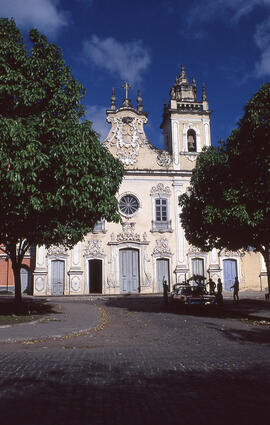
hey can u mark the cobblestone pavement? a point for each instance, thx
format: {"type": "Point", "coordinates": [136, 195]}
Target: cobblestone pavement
{"type": "Point", "coordinates": [65, 319]}
{"type": "Point", "coordinates": [145, 364]}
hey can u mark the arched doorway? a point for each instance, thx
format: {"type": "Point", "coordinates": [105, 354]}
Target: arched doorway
{"type": "Point", "coordinates": [25, 280]}
{"type": "Point", "coordinates": [162, 273]}
{"type": "Point", "coordinates": [95, 276]}
{"type": "Point", "coordinates": [129, 271]}
{"type": "Point", "coordinates": [58, 277]}
{"type": "Point", "coordinates": [229, 273]}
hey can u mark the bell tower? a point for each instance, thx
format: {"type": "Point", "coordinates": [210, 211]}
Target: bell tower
{"type": "Point", "coordinates": [186, 122]}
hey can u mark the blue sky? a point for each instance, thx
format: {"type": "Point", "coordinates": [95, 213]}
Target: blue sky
{"type": "Point", "coordinates": [222, 43]}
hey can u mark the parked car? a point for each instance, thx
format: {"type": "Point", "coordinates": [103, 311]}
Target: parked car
{"type": "Point", "coordinates": [185, 294]}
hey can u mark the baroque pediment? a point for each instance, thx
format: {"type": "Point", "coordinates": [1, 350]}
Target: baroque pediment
{"type": "Point", "coordinates": [57, 250]}
{"type": "Point", "coordinates": [128, 142]}
{"type": "Point", "coordinates": [160, 189]}
{"type": "Point", "coordinates": [127, 135]}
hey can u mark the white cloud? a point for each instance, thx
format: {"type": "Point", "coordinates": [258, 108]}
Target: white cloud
{"type": "Point", "coordinates": [97, 114]}
{"type": "Point", "coordinates": [262, 67]}
{"type": "Point", "coordinates": [262, 40]}
{"type": "Point", "coordinates": [129, 60]}
{"type": "Point", "coordinates": [234, 9]}
{"type": "Point", "coordinates": [41, 14]}
{"type": "Point", "coordinates": [262, 34]}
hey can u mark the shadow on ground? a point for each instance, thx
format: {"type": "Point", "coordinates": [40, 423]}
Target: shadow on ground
{"type": "Point", "coordinates": [156, 304]}
{"type": "Point", "coordinates": [28, 306]}
{"type": "Point", "coordinates": [259, 335]}
{"type": "Point", "coordinates": [99, 394]}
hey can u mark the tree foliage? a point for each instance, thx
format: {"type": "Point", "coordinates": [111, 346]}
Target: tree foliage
{"type": "Point", "coordinates": [56, 180]}
{"type": "Point", "coordinates": [228, 205]}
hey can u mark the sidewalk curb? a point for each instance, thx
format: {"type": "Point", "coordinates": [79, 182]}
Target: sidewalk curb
{"type": "Point", "coordinates": [102, 320]}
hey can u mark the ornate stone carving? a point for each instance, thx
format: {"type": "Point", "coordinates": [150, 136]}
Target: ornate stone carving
{"type": "Point", "coordinates": [194, 250]}
{"type": "Point", "coordinates": [111, 281]}
{"type": "Point", "coordinates": [127, 135]}
{"type": "Point", "coordinates": [239, 253]}
{"type": "Point", "coordinates": [94, 248]}
{"type": "Point", "coordinates": [160, 188]}
{"type": "Point", "coordinates": [145, 268]}
{"type": "Point", "coordinates": [191, 158]}
{"type": "Point", "coordinates": [164, 159]}
{"type": "Point", "coordinates": [128, 233]}
{"type": "Point", "coordinates": [57, 250]}
{"type": "Point", "coordinates": [113, 262]}
{"type": "Point", "coordinates": [148, 279]}
{"type": "Point", "coordinates": [162, 247]}
{"type": "Point", "coordinates": [75, 283]}
{"type": "Point", "coordinates": [39, 284]}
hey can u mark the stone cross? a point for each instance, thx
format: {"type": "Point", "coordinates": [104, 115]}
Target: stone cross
{"type": "Point", "coordinates": [126, 86]}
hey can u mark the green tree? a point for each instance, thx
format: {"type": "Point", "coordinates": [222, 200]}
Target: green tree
{"type": "Point", "coordinates": [56, 180]}
{"type": "Point", "coordinates": [228, 204]}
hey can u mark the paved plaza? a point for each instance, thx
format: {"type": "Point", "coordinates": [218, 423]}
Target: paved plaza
{"type": "Point", "coordinates": [138, 362]}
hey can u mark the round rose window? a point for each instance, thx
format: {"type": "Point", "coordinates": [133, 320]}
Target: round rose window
{"type": "Point", "coordinates": [128, 204]}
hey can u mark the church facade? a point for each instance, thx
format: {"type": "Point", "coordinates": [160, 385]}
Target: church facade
{"type": "Point", "coordinates": [149, 246]}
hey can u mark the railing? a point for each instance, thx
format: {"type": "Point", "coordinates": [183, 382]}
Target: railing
{"type": "Point", "coordinates": [161, 226]}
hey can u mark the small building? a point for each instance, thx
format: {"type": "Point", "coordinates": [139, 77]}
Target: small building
{"type": "Point", "coordinates": [149, 246]}
{"type": "Point", "coordinates": [7, 284]}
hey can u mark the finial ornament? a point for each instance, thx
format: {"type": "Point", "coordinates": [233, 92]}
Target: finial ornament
{"type": "Point", "coordinates": [113, 100]}
{"type": "Point", "coordinates": [126, 101]}
{"type": "Point", "coordinates": [139, 101]}
{"type": "Point", "coordinates": [204, 92]}
{"type": "Point", "coordinates": [183, 73]}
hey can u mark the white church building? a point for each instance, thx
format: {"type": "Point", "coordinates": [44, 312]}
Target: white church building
{"type": "Point", "coordinates": [149, 245]}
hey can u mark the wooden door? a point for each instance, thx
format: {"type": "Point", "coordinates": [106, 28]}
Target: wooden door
{"type": "Point", "coordinates": [230, 272]}
{"type": "Point", "coordinates": [129, 271]}
{"type": "Point", "coordinates": [162, 273]}
{"type": "Point", "coordinates": [58, 277]}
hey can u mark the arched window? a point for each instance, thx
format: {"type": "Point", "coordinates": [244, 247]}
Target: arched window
{"type": "Point", "coordinates": [191, 141]}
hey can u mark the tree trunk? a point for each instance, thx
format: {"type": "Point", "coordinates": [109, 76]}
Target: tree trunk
{"type": "Point", "coordinates": [266, 256]}
{"type": "Point", "coordinates": [16, 251]}
{"type": "Point", "coordinates": [16, 266]}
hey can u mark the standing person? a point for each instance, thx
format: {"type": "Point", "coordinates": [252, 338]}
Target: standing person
{"type": "Point", "coordinates": [165, 291]}
{"type": "Point", "coordinates": [219, 292]}
{"type": "Point", "coordinates": [219, 287]}
{"type": "Point", "coordinates": [235, 287]}
{"type": "Point", "coordinates": [212, 287]}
